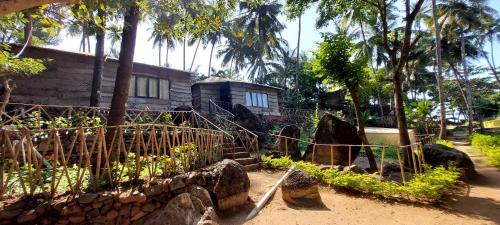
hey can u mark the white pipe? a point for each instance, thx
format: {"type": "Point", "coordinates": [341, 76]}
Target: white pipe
{"type": "Point", "coordinates": [268, 195]}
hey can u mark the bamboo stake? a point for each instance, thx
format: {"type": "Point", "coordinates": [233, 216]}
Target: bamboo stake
{"type": "Point", "coordinates": [401, 165]}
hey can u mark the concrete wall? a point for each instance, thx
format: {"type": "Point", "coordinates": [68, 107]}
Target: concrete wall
{"type": "Point", "coordinates": [68, 80]}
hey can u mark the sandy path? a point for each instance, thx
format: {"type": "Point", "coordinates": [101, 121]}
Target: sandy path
{"type": "Point", "coordinates": [481, 205]}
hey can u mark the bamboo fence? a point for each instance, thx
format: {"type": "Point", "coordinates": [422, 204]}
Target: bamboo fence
{"type": "Point", "coordinates": [54, 160]}
{"type": "Point", "coordinates": [414, 154]}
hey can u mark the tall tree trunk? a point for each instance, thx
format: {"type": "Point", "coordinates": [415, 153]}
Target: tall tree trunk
{"type": "Point", "coordinates": [495, 73]}
{"type": "Point", "coordinates": [125, 67]}
{"type": "Point", "coordinates": [194, 56]}
{"type": "Point", "coordinates": [439, 74]}
{"type": "Point", "coordinates": [184, 54]}
{"type": "Point", "coordinates": [361, 129]}
{"type": "Point", "coordinates": [166, 55]}
{"type": "Point", "coordinates": [468, 89]}
{"type": "Point", "coordinates": [7, 90]}
{"type": "Point", "coordinates": [298, 55]}
{"type": "Point", "coordinates": [159, 51]}
{"type": "Point", "coordinates": [460, 85]}
{"type": "Point", "coordinates": [88, 44]}
{"type": "Point", "coordinates": [210, 60]}
{"type": "Point", "coordinates": [28, 29]}
{"type": "Point", "coordinates": [82, 44]}
{"type": "Point", "coordinates": [404, 138]}
{"type": "Point", "coordinates": [95, 94]}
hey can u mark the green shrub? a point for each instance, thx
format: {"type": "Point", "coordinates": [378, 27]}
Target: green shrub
{"type": "Point", "coordinates": [445, 143]}
{"type": "Point", "coordinates": [489, 145]}
{"type": "Point", "coordinates": [429, 186]}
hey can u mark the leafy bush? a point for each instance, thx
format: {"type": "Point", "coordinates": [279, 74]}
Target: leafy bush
{"type": "Point", "coordinates": [489, 145]}
{"type": "Point", "coordinates": [445, 143]}
{"type": "Point", "coordinates": [428, 186]}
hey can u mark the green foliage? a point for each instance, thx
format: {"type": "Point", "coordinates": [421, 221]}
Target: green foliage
{"type": "Point", "coordinates": [419, 114]}
{"type": "Point", "coordinates": [489, 145]}
{"type": "Point", "coordinates": [35, 120]}
{"type": "Point", "coordinates": [428, 186]}
{"type": "Point", "coordinates": [19, 66]}
{"type": "Point", "coordinates": [333, 62]}
{"type": "Point", "coordinates": [445, 143]}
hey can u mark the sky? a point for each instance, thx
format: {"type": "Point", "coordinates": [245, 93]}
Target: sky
{"type": "Point", "coordinates": [145, 53]}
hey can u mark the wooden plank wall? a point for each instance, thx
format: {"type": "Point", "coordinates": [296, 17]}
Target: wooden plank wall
{"type": "Point", "coordinates": [68, 80]}
{"type": "Point", "coordinates": [238, 96]}
{"type": "Point", "coordinates": [202, 93]}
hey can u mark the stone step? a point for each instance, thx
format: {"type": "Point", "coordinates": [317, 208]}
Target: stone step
{"type": "Point", "coordinates": [236, 155]}
{"type": "Point", "coordinates": [235, 149]}
{"type": "Point", "coordinates": [246, 161]}
{"type": "Point", "coordinates": [252, 167]}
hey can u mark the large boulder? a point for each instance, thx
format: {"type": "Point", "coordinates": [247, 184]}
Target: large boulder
{"type": "Point", "coordinates": [226, 181]}
{"type": "Point", "coordinates": [184, 209]}
{"type": "Point", "coordinates": [292, 143]}
{"type": "Point", "coordinates": [246, 118]}
{"type": "Point", "coordinates": [300, 189]}
{"type": "Point", "coordinates": [441, 155]}
{"type": "Point", "coordinates": [332, 130]}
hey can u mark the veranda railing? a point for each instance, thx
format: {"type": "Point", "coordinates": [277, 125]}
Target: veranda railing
{"type": "Point", "coordinates": [51, 161]}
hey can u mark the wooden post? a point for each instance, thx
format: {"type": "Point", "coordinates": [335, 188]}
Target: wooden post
{"type": "Point", "coordinates": [382, 162]}
{"type": "Point", "coordinates": [401, 166]}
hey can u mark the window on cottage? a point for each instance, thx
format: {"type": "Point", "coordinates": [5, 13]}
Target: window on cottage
{"type": "Point", "coordinates": [256, 99]}
{"type": "Point", "coordinates": [149, 87]}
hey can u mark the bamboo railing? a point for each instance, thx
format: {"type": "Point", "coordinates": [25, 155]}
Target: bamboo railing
{"type": "Point", "coordinates": [51, 161]}
{"type": "Point", "coordinates": [414, 167]}
{"type": "Point", "coordinates": [242, 136]}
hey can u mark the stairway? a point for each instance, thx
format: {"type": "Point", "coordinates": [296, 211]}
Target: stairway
{"type": "Point", "coordinates": [242, 156]}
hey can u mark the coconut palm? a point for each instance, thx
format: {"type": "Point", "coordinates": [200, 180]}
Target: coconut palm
{"type": "Point", "coordinates": [262, 32]}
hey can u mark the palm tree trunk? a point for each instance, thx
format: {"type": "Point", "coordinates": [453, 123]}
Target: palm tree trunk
{"type": "Point", "coordinates": [125, 67]}
{"type": "Point", "coordinates": [404, 138]}
{"type": "Point", "coordinates": [460, 85]}
{"type": "Point", "coordinates": [468, 89]}
{"type": "Point", "coordinates": [95, 94]}
{"type": "Point", "coordinates": [493, 61]}
{"type": "Point", "coordinates": [88, 43]}
{"type": "Point", "coordinates": [439, 76]}
{"type": "Point", "coordinates": [361, 129]}
{"type": "Point", "coordinates": [194, 56]}
{"type": "Point", "coordinates": [7, 90]}
{"type": "Point", "coordinates": [298, 55]}
{"type": "Point", "coordinates": [160, 45]}
{"type": "Point", "coordinates": [210, 60]}
{"type": "Point", "coordinates": [184, 54]}
{"type": "Point", "coordinates": [166, 55]}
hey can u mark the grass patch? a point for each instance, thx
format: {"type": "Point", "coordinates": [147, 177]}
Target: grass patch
{"type": "Point", "coordinates": [429, 186]}
{"type": "Point", "coordinates": [489, 145]}
{"type": "Point", "coordinates": [445, 143]}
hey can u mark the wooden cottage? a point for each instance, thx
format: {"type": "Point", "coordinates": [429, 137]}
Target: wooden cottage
{"type": "Point", "coordinates": [260, 99]}
{"type": "Point", "coordinates": [68, 81]}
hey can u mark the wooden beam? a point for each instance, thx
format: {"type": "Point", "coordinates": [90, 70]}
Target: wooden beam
{"type": "Point", "coordinates": [9, 6]}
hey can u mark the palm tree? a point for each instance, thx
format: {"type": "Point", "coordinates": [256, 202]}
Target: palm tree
{"type": "Point", "coordinates": [463, 18]}
{"type": "Point", "coordinates": [262, 28]}
{"type": "Point", "coordinates": [235, 51]}
{"type": "Point", "coordinates": [439, 76]}
{"type": "Point", "coordinates": [491, 32]}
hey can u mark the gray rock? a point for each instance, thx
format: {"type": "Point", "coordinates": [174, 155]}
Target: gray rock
{"type": "Point", "coordinates": [440, 155]}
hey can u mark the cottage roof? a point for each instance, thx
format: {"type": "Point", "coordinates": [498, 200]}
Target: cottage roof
{"type": "Point", "coordinates": [213, 80]}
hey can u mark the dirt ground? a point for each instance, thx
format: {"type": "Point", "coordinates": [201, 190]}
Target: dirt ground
{"type": "Point", "coordinates": [477, 203]}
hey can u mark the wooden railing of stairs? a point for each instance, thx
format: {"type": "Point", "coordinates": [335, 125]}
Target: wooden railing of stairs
{"type": "Point", "coordinates": [244, 148]}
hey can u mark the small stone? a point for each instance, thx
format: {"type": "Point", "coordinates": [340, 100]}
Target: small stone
{"type": "Point", "coordinates": [59, 204]}
{"type": "Point", "coordinates": [63, 221]}
{"type": "Point", "coordinates": [105, 197]}
{"type": "Point", "coordinates": [149, 207]}
{"type": "Point", "coordinates": [125, 211]}
{"type": "Point", "coordinates": [202, 194]}
{"type": "Point", "coordinates": [137, 216]}
{"type": "Point", "coordinates": [87, 198]}
{"type": "Point", "coordinates": [177, 183]}
{"type": "Point", "coordinates": [9, 214]}
{"type": "Point", "coordinates": [76, 219]}
{"type": "Point", "coordinates": [353, 169]}
{"type": "Point", "coordinates": [93, 213]}
{"type": "Point", "coordinates": [40, 209]}
{"type": "Point", "coordinates": [105, 209]}
{"type": "Point", "coordinates": [27, 216]}
{"type": "Point", "coordinates": [153, 190]}
{"type": "Point", "coordinates": [134, 211]}
{"type": "Point", "coordinates": [111, 215]}
{"type": "Point", "coordinates": [141, 198]}
{"type": "Point", "coordinates": [71, 210]}
{"type": "Point", "coordinates": [97, 205]}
